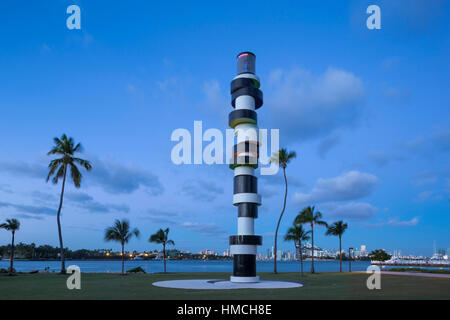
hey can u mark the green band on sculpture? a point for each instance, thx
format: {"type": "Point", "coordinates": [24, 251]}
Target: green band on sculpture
{"type": "Point", "coordinates": [235, 122]}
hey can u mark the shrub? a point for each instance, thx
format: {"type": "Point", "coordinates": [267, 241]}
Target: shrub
{"type": "Point", "coordinates": [136, 270]}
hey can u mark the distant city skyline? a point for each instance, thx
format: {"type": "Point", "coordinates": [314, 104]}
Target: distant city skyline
{"type": "Point", "coordinates": [367, 112]}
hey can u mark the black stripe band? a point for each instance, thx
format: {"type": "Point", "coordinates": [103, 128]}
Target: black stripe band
{"type": "Point", "coordinates": [246, 239]}
{"type": "Point", "coordinates": [234, 166]}
{"type": "Point", "coordinates": [246, 62]}
{"type": "Point", "coordinates": [246, 146]}
{"type": "Point", "coordinates": [244, 160]}
{"type": "Point", "coordinates": [245, 184]}
{"type": "Point", "coordinates": [248, 210]}
{"type": "Point", "coordinates": [244, 265]}
{"type": "Point", "coordinates": [239, 83]}
{"type": "Point", "coordinates": [242, 116]}
{"type": "Point", "coordinates": [248, 91]}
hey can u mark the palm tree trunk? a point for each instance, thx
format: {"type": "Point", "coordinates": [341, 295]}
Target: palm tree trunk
{"type": "Point", "coordinates": [58, 219]}
{"type": "Point", "coordinates": [164, 256]}
{"type": "Point", "coordinates": [340, 255]}
{"type": "Point", "coordinates": [11, 260]}
{"type": "Point", "coordinates": [123, 257]}
{"type": "Point", "coordinates": [279, 220]}
{"type": "Point", "coordinates": [312, 248]}
{"type": "Point", "coordinates": [301, 258]}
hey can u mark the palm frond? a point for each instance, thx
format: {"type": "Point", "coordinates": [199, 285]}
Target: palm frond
{"type": "Point", "coordinates": [161, 236]}
{"type": "Point", "coordinates": [120, 232]}
{"type": "Point", "coordinates": [59, 174]}
{"type": "Point", "coordinates": [337, 228]}
{"type": "Point", "coordinates": [66, 147]}
{"type": "Point", "coordinates": [282, 157]}
{"type": "Point", "coordinates": [84, 163]}
{"type": "Point", "coordinates": [78, 148]}
{"type": "Point", "coordinates": [10, 225]}
{"type": "Point", "coordinates": [76, 175]}
{"type": "Point", "coordinates": [297, 233]}
{"type": "Point", "coordinates": [55, 150]}
{"type": "Point", "coordinates": [307, 215]}
{"type": "Point", "coordinates": [52, 166]}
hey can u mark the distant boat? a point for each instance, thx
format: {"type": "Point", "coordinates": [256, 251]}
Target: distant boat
{"type": "Point", "coordinates": [435, 260]}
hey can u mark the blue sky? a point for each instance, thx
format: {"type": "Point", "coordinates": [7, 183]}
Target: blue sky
{"type": "Point", "coordinates": [367, 112]}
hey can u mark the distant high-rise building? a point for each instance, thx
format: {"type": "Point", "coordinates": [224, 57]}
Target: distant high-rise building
{"type": "Point", "coordinates": [208, 252]}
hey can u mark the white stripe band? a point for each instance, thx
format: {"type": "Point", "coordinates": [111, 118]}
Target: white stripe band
{"type": "Point", "coordinates": [246, 132]}
{"type": "Point", "coordinates": [244, 279]}
{"type": "Point", "coordinates": [245, 102]}
{"type": "Point", "coordinates": [243, 249]}
{"type": "Point", "coordinates": [248, 76]}
{"type": "Point", "coordinates": [246, 197]}
{"type": "Point", "coordinates": [244, 170]}
{"type": "Point", "coordinates": [246, 226]}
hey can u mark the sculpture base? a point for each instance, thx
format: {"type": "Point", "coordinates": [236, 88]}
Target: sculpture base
{"type": "Point", "coordinates": [226, 285]}
{"type": "Point", "coordinates": [244, 279]}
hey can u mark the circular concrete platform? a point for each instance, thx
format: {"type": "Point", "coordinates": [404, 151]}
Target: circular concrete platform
{"type": "Point", "coordinates": [225, 284]}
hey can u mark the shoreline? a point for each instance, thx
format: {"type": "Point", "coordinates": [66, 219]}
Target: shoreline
{"type": "Point", "coordinates": [304, 260]}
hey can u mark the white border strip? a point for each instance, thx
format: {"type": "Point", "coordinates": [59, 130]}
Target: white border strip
{"type": "Point", "coordinates": [246, 197]}
{"type": "Point", "coordinates": [244, 279]}
{"type": "Point", "coordinates": [244, 170]}
{"type": "Point", "coordinates": [243, 249]}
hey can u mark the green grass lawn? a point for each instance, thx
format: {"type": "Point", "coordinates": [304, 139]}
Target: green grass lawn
{"type": "Point", "coordinates": [421, 270]}
{"type": "Point", "coordinates": [139, 286]}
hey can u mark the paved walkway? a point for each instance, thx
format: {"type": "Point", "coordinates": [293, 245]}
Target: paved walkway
{"type": "Point", "coordinates": [225, 284]}
{"type": "Point", "coordinates": [417, 274]}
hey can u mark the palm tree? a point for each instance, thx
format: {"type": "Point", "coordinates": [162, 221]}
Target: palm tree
{"type": "Point", "coordinates": [161, 236]}
{"type": "Point", "coordinates": [11, 225]}
{"type": "Point", "coordinates": [66, 148]}
{"type": "Point", "coordinates": [283, 157]}
{"type": "Point", "coordinates": [120, 232]}
{"type": "Point", "coordinates": [297, 234]}
{"type": "Point", "coordinates": [337, 229]}
{"type": "Point", "coordinates": [307, 215]}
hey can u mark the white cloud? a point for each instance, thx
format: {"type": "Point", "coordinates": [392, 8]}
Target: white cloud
{"type": "Point", "coordinates": [327, 144]}
{"type": "Point", "coordinates": [379, 158]}
{"type": "Point", "coordinates": [117, 178]}
{"type": "Point", "coordinates": [397, 95]}
{"type": "Point", "coordinates": [206, 229]}
{"type": "Point", "coordinates": [395, 222]}
{"type": "Point", "coordinates": [436, 144]}
{"type": "Point", "coordinates": [351, 185]}
{"type": "Point", "coordinates": [407, 223]}
{"type": "Point", "coordinates": [427, 195]}
{"type": "Point", "coordinates": [201, 190]}
{"type": "Point", "coordinates": [308, 106]}
{"type": "Point", "coordinates": [211, 89]}
{"type": "Point", "coordinates": [424, 178]}
{"type": "Point", "coordinates": [352, 211]}
{"type": "Point", "coordinates": [130, 88]}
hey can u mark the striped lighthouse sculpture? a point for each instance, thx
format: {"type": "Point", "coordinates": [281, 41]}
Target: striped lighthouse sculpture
{"type": "Point", "coordinates": [245, 99]}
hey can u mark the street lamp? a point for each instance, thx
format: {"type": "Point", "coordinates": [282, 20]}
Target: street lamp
{"type": "Point", "coordinates": [349, 260]}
